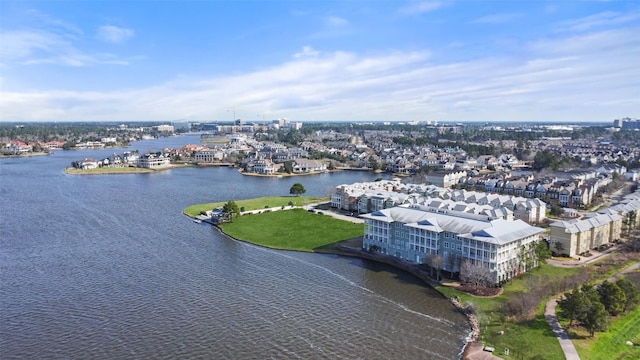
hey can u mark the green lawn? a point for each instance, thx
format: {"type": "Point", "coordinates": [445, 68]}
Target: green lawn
{"type": "Point", "coordinates": [525, 339]}
{"type": "Point", "coordinates": [294, 229]}
{"type": "Point", "coordinates": [108, 170]}
{"type": "Point", "coordinates": [533, 339]}
{"type": "Point", "coordinates": [612, 344]}
{"type": "Point", "coordinates": [255, 203]}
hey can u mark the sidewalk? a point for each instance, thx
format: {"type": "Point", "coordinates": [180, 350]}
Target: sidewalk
{"type": "Point", "coordinates": [570, 352]}
{"type": "Point", "coordinates": [566, 344]}
{"type": "Point", "coordinates": [582, 260]}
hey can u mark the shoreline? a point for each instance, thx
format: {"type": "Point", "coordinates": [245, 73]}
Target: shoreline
{"type": "Point", "coordinates": [470, 348]}
{"type": "Point", "coordinates": [139, 170]}
{"type": "Point", "coordinates": [30, 154]}
{"type": "Point", "coordinates": [119, 171]}
{"type": "Point", "coordinates": [283, 175]}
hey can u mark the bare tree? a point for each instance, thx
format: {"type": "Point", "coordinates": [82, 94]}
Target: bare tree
{"type": "Point", "coordinates": [436, 261]}
{"type": "Point", "coordinates": [475, 274]}
{"type": "Point", "coordinates": [513, 266]}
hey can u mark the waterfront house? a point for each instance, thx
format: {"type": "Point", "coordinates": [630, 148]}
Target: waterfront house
{"type": "Point", "coordinates": [16, 148]}
{"type": "Point", "coordinates": [53, 145]}
{"type": "Point", "coordinates": [87, 163]}
{"type": "Point", "coordinates": [209, 155]}
{"type": "Point", "coordinates": [262, 166]}
{"type": "Point", "coordinates": [306, 166]}
{"type": "Point", "coordinates": [154, 160]}
{"type": "Point", "coordinates": [130, 158]}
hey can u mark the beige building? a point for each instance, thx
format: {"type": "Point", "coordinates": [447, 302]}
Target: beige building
{"type": "Point", "coordinates": [574, 237]}
{"type": "Point", "coordinates": [446, 179]}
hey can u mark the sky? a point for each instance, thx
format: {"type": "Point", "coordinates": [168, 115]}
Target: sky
{"type": "Point", "coordinates": [313, 60]}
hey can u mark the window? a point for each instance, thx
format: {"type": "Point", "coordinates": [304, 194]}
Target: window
{"type": "Point", "coordinates": [446, 244]}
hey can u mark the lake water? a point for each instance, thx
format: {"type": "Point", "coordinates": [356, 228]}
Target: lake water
{"type": "Point", "coordinates": [107, 267]}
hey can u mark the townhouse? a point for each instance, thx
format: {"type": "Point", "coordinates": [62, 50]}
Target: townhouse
{"type": "Point", "coordinates": [369, 197]}
{"type": "Point", "coordinates": [577, 236]}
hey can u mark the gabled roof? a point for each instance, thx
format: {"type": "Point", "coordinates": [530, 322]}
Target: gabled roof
{"type": "Point", "coordinates": [576, 226]}
{"type": "Point", "coordinates": [478, 227]}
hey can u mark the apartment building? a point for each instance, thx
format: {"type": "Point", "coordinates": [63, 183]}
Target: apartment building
{"type": "Point", "coordinates": [415, 234]}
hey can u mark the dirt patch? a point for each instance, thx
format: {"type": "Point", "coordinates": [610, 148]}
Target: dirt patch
{"type": "Point", "coordinates": [480, 291]}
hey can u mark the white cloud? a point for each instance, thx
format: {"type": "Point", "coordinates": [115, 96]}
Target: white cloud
{"type": "Point", "coordinates": [18, 45]}
{"type": "Point", "coordinates": [336, 21]}
{"type": "Point", "coordinates": [307, 51]}
{"type": "Point", "coordinates": [588, 77]}
{"type": "Point", "coordinates": [497, 18]}
{"type": "Point", "coordinates": [420, 7]}
{"type": "Point", "coordinates": [603, 19]}
{"type": "Point", "coordinates": [332, 27]}
{"type": "Point", "coordinates": [56, 42]}
{"type": "Point", "coordinates": [114, 34]}
{"type": "Point", "coordinates": [31, 47]}
{"type": "Point", "coordinates": [56, 25]}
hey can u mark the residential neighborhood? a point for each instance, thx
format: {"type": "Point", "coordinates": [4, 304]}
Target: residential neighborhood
{"type": "Point", "coordinates": [417, 222]}
{"type": "Point", "coordinates": [474, 207]}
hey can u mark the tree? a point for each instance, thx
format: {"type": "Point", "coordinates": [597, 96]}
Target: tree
{"type": "Point", "coordinates": [288, 166]}
{"type": "Point", "coordinates": [556, 210]}
{"type": "Point", "coordinates": [436, 262]}
{"type": "Point", "coordinates": [612, 297]}
{"type": "Point", "coordinates": [631, 294]}
{"type": "Point", "coordinates": [573, 305]}
{"type": "Point", "coordinates": [596, 318]}
{"type": "Point", "coordinates": [542, 252]}
{"type": "Point", "coordinates": [230, 210]}
{"type": "Point", "coordinates": [297, 189]}
{"type": "Point", "coordinates": [526, 258]}
{"type": "Point", "coordinates": [475, 274]}
{"type": "Point", "coordinates": [373, 163]}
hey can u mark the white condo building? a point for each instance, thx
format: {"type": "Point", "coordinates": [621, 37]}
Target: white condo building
{"type": "Point", "coordinates": [415, 234]}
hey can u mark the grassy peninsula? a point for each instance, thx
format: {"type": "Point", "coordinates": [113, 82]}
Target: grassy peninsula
{"type": "Point", "coordinates": [108, 170]}
{"type": "Point", "coordinates": [256, 203]}
{"type": "Point", "coordinates": [294, 229]}
{"type": "Point", "coordinates": [291, 229]}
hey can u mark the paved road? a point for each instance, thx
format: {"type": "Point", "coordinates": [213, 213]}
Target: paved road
{"type": "Point", "coordinates": [334, 213]}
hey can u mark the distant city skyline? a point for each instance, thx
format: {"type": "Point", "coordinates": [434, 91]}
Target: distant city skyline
{"type": "Point", "coordinates": [198, 61]}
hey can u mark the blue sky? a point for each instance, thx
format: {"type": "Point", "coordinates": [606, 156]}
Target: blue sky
{"type": "Point", "coordinates": [319, 60]}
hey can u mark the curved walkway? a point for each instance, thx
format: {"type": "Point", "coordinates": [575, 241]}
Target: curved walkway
{"type": "Point", "coordinates": [570, 352]}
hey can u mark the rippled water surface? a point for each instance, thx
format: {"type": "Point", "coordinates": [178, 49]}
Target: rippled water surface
{"type": "Point", "coordinates": [108, 267]}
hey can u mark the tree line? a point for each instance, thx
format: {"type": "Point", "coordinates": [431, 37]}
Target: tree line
{"type": "Point", "coordinates": [590, 306]}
